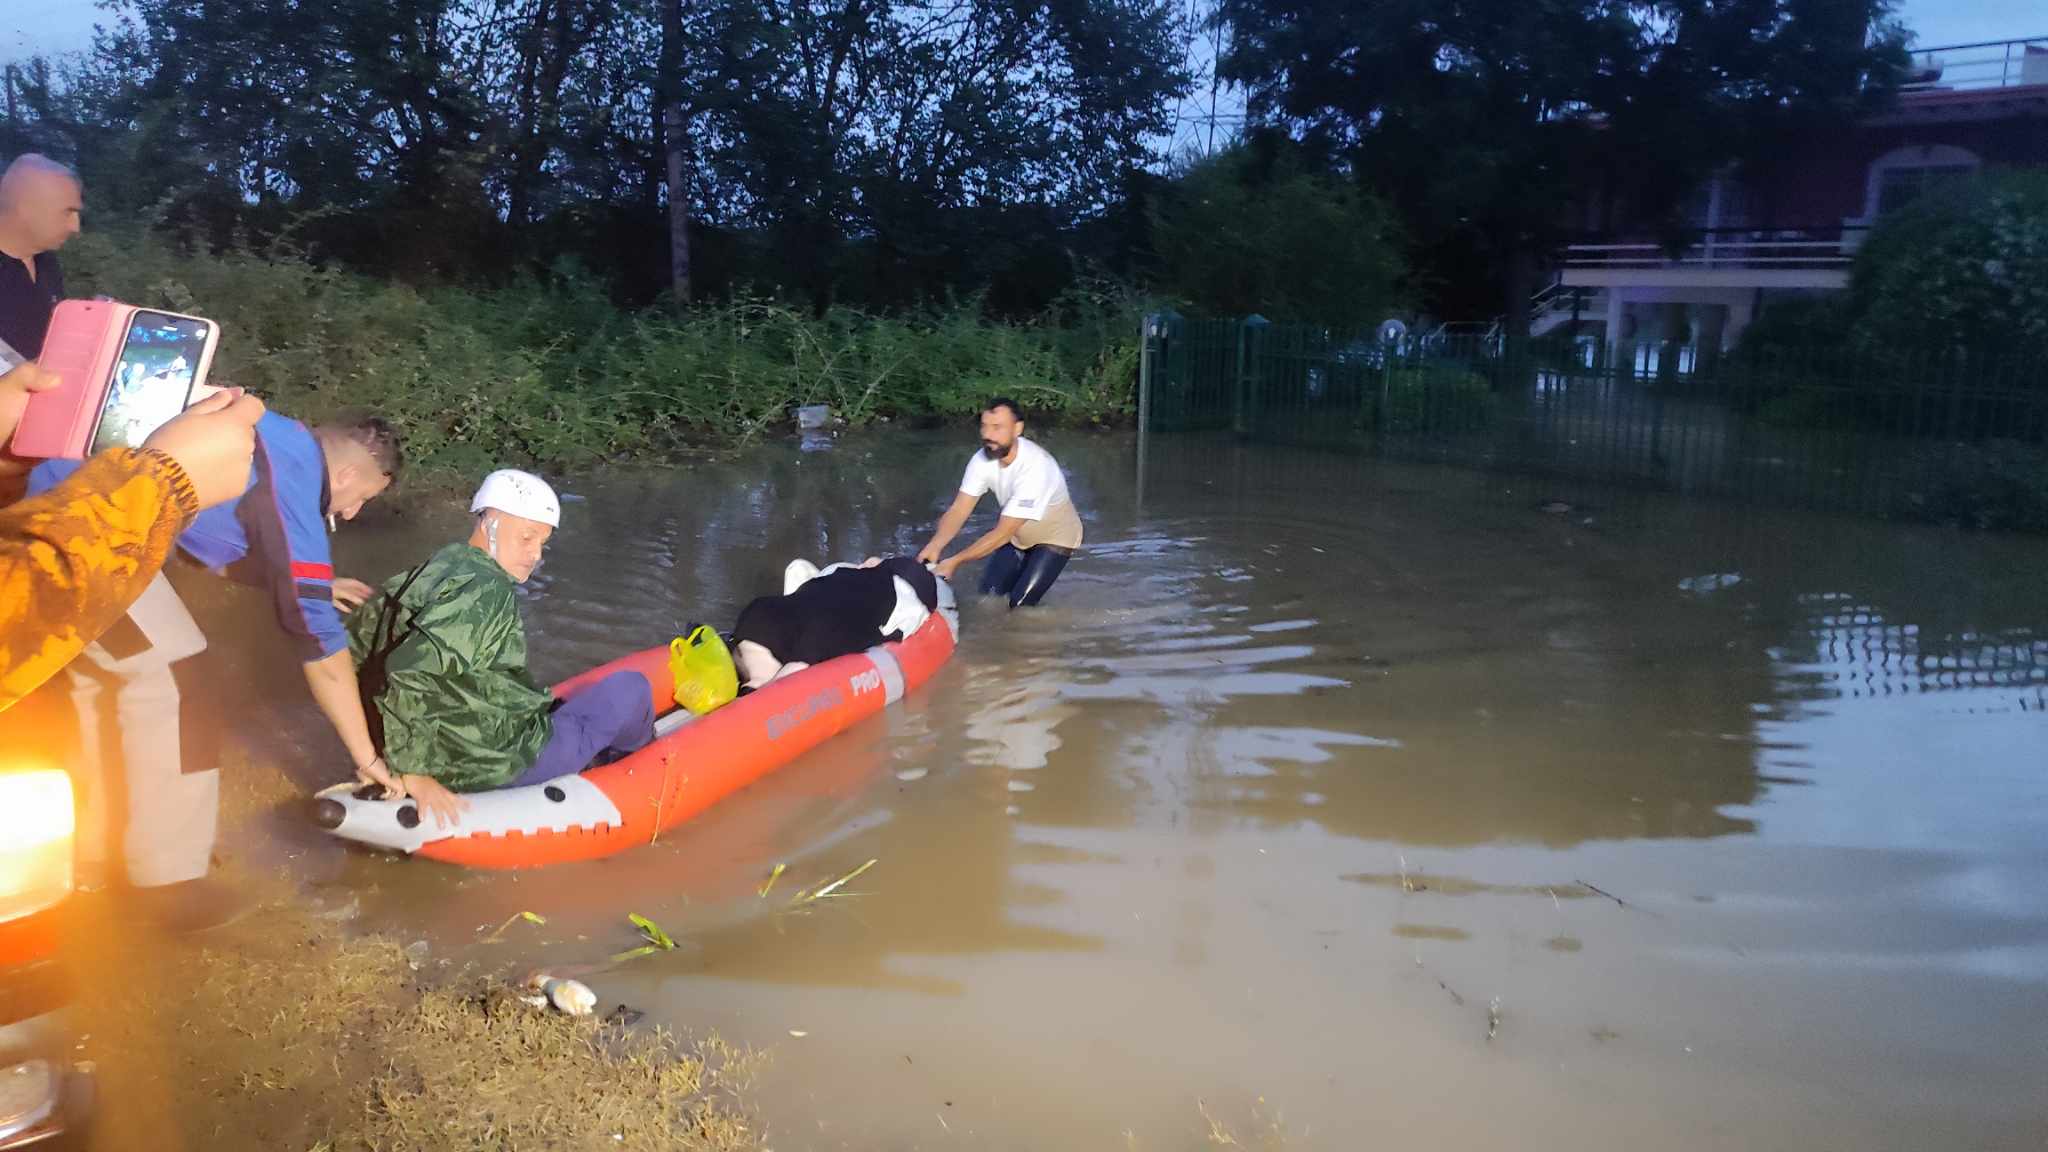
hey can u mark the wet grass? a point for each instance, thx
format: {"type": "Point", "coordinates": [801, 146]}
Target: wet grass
{"type": "Point", "coordinates": [287, 1030]}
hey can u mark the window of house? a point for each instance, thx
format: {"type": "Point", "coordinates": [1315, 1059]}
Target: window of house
{"type": "Point", "coordinates": [1897, 187]}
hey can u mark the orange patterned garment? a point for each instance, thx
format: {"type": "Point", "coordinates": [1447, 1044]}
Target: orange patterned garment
{"type": "Point", "coordinates": [74, 558]}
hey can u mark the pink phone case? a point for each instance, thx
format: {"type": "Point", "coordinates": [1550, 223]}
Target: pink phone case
{"type": "Point", "coordinates": [81, 348]}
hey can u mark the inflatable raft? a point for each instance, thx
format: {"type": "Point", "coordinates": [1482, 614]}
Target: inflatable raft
{"type": "Point", "coordinates": [694, 762]}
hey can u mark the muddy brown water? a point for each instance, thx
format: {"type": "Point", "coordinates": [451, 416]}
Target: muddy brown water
{"type": "Point", "coordinates": [1380, 800]}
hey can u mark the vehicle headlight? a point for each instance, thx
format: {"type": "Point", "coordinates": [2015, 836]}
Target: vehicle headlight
{"type": "Point", "coordinates": [35, 841]}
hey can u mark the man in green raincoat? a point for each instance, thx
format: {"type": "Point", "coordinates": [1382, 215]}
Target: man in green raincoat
{"type": "Point", "coordinates": [441, 658]}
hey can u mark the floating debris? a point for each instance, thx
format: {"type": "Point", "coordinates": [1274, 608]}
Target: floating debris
{"type": "Point", "coordinates": [1701, 585]}
{"type": "Point", "coordinates": [570, 997]}
{"type": "Point", "coordinates": [772, 878]}
{"type": "Point", "coordinates": [529, 917]}
{"type": "Point", "coordinates": [657, 940]}
{"type": "Point", "coordinates": [807, 897]}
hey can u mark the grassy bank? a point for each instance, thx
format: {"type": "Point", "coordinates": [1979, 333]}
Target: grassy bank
{"type": "Point", "coordinates": [287, 1030]}
{"type": "Point", "coordinates": [284, 1032]}
{"type": "Point", "coordinates": [556, 376]}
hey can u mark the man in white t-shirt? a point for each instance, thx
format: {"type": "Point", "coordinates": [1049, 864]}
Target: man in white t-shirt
{"type": "Point", "coordinates": [1038, 528]}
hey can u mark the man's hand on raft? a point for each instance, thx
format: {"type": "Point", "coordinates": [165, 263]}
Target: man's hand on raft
{"type": "Point", "coordinates": [379, 773]}
{"type": "Point", "coordinates": [429, 793]}
{"type": "Point", "coordinates": [945, 568]}
{"type": "Point", "coordinates": [434, 797]}
{"type": "Point", "coordinates": [350, 595]}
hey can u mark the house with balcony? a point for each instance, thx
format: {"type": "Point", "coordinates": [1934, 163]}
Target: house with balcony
{"type": "Point", "coordinates": [1967, 108]}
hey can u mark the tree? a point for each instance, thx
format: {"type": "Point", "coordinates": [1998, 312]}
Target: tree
{"type": "Point", "coordinates": [1481, 120]}
{"type": "Point", "coordinates": [675, 145]}
{"type": "Point", "coordinates": [903, 146]}
{"type": "Point", "coordinates": [1250, 230]}
{"type": "Point", "coordinates": [834, 118]}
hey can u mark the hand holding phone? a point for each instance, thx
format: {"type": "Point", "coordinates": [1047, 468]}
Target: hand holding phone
{"type": "Point", "coordinates": [213, 441]}
{"type": "Point", "coordinates": [123, 372]}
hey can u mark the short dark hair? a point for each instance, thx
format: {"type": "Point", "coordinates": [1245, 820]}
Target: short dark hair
{"type": "Point", "coordinates": [1016, 413]}
{"type": "Point", "coordinates": [373, 434]}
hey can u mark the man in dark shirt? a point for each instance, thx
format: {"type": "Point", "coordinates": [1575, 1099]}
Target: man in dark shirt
{"type": "Point", "coordinates": [39, 206]}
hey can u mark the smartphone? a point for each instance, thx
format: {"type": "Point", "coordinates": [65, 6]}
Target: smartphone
{"type": "Point", "coordinates": [123, 373]}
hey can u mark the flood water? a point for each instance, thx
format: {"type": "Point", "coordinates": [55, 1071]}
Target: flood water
{"type": "Point", "coordinates": [1374, 801]}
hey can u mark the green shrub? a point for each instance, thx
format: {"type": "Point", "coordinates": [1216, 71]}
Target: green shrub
{"type": "Point", "coordinates": [555, 375]}
{"type": "Point", "coordinates": [1243, 231]}
{"type": "Point", "coordinates": [1799, 407]}
{"type": "Point", "coordinates": [1965, 265]}
{"type": "Point", "coordinates": [2000, 484]}
{"type": "Point", "coordinates": [1438, 398]}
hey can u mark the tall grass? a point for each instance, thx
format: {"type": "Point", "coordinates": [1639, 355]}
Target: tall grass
{"type": "Point", "coordinates": [557, 376]}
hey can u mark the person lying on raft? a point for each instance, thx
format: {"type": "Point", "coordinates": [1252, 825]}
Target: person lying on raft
{"type": "Point", "coordinates": [441, 656]}
{"type": "Point", "coordinates": [825, 615]}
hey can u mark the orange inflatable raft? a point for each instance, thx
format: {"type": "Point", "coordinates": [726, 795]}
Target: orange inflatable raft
{"type": "Point", "coordinates": [692, 764]}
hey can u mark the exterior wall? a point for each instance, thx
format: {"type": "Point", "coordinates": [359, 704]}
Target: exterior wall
{"type": "Point", "coordinates": [1793, 230]}
{"type": "Point", "coordinates": [1832, 183]}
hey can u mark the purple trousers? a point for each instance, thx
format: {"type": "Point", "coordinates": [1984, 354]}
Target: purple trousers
{"type": "Point", "coordinates": [615, 715]}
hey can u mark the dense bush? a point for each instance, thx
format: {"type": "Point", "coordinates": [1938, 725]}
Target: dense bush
{"type": "Point", "coordinates": [1994, 485]}
{"type": "Point", "coordinates": [556, 375]}
{"type": "Point", "coordinates": [1245, 233]}
{"type": "Point", "coordinates": [1954, 282]}
{"type": "Point", "coordinates": [1965, 265]}
{"type": "Point", "coordinates": [1438, 398]}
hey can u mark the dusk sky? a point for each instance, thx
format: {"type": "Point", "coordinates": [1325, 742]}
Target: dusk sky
{"type": "Point", "coordinates": [51, 26]}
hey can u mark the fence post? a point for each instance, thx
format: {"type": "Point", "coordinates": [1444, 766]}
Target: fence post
{"type": "Point", "coordinates": [1379, 416]}
{"type": "Point", "coordinates": [1250, 332]}
{"type": "Point", "coordinates": [1149, 331]}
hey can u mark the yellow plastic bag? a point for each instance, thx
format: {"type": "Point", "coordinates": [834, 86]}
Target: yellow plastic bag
{"type": "Point", "coordinates": [704, 674]}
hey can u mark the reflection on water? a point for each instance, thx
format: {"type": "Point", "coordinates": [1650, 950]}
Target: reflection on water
{"type": "Point", "coordinates": [1335, 783]}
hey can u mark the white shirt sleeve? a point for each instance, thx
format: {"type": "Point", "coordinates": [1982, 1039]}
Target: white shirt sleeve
{"type": "Point", "coordinates": [974, 482]}
{"type": "Point", "coordinates": [1028, 500]}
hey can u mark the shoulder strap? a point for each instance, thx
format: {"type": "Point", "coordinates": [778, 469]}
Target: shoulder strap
{"type": "Point", "coordinates": [370, 678]}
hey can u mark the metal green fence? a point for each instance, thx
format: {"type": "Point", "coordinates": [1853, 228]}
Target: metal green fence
{"type": "Point", "coordinates": [1946, 436]}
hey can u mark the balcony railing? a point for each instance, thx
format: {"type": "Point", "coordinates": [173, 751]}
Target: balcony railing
{"type": "Point", "coordinates": [1827, 249]}
{"type": "Point", "coordinates": [1974, 67]}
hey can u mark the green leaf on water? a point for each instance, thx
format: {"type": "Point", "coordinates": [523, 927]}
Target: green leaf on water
{"type": "Point", "coordinates": [529, 917]}
{"type": "Point", "coordinates": [651, 930]}
{"type": "Point", "coordinates": [635, 953]}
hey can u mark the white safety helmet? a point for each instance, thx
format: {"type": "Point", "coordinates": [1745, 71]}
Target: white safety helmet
{"type": "Point", "coordinates": [519, 493]}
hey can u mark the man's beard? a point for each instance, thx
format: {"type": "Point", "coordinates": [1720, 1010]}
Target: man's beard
{"type": "Point", "coordinates": [995, 451]}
